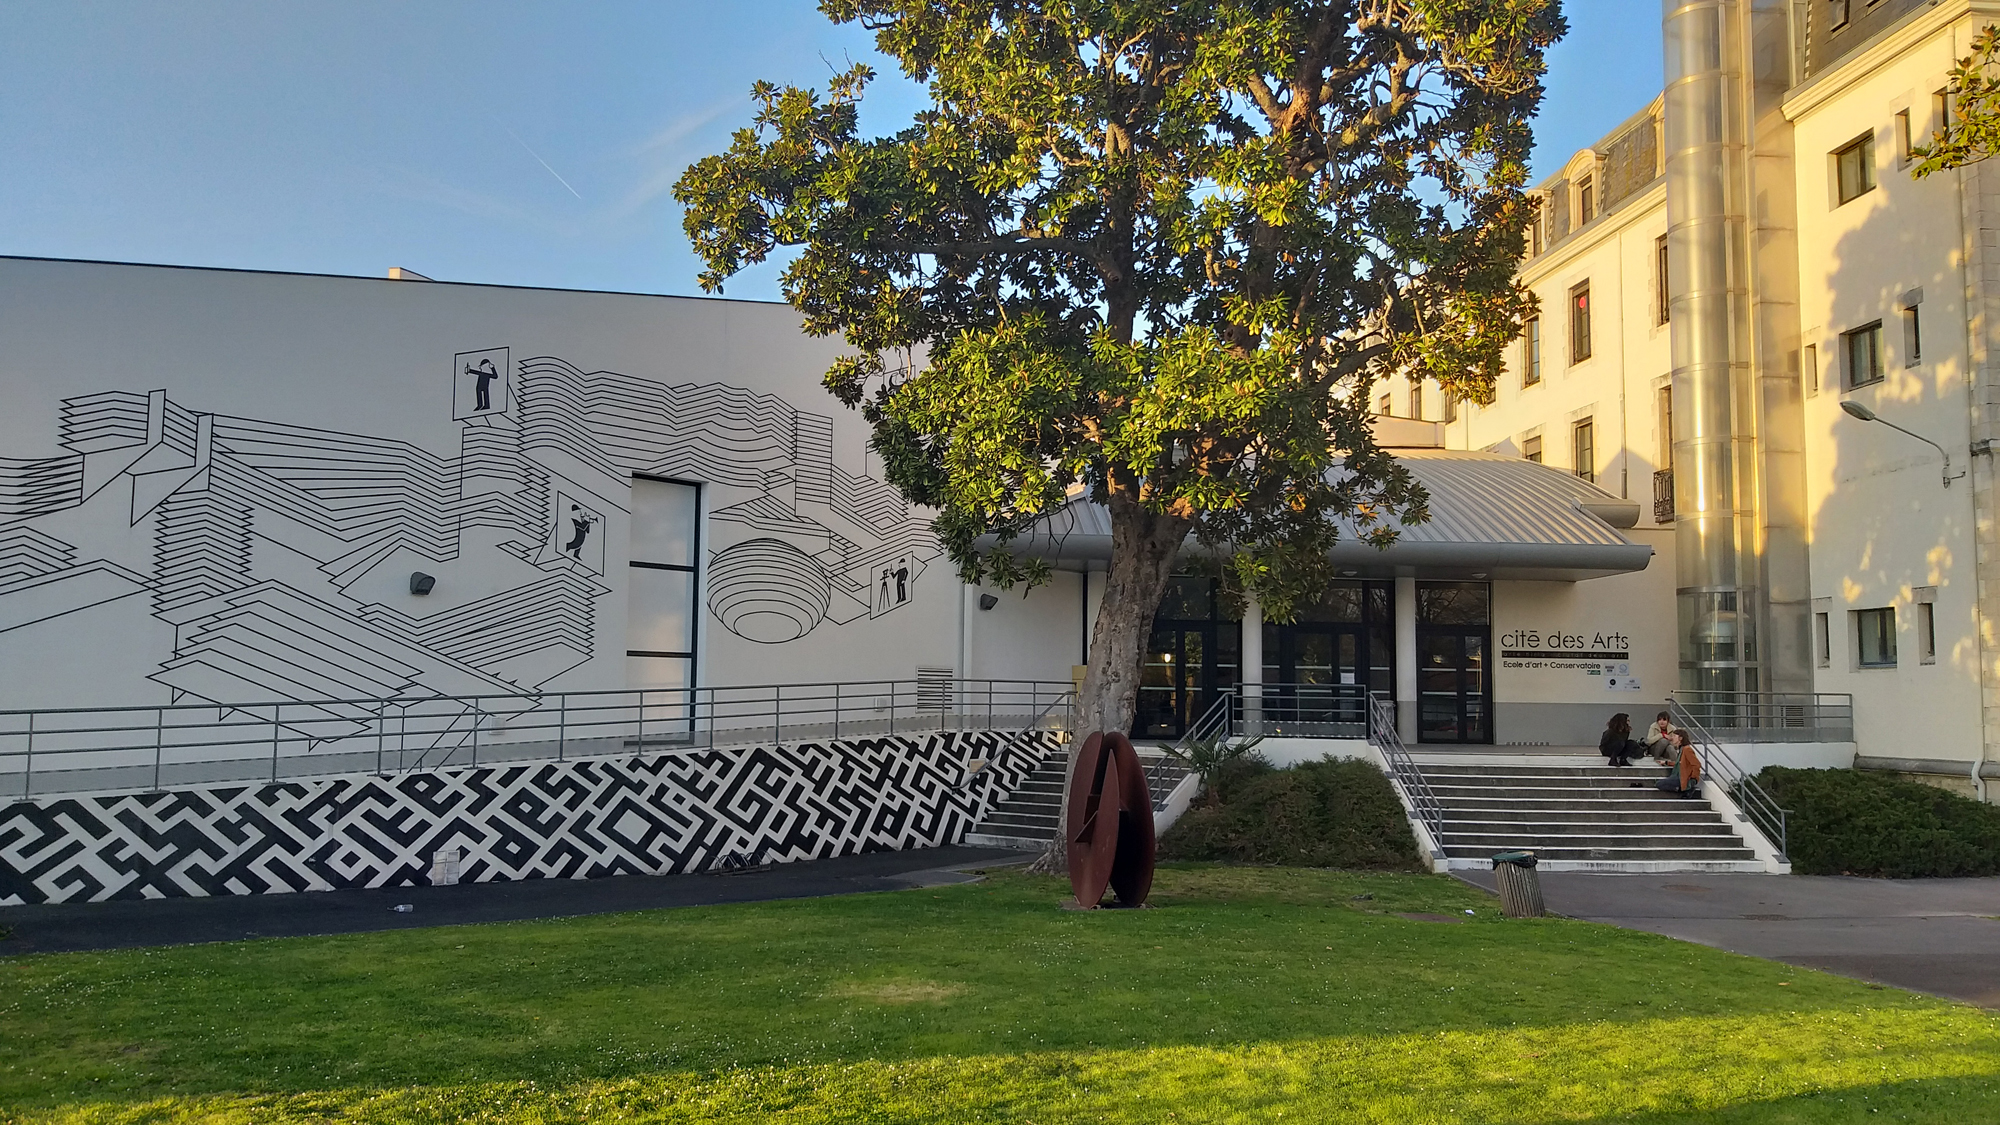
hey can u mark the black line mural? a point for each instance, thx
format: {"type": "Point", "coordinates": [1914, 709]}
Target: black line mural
{"type": "Point", "coordinates": [274, 557]}
{"type": "Point", "coordinates": [650, 814]}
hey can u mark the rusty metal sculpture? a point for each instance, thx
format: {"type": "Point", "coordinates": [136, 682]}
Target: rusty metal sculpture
{"type": "Point", "coordinates": [1111, 841]}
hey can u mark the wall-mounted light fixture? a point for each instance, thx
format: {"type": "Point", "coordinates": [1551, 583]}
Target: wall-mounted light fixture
{"type": "Point", "coordinates": [1861, 412]}
{"type": "Point", "coordinates": [421, 583]}
{"type": "Point", "coordinates": [987, 601]}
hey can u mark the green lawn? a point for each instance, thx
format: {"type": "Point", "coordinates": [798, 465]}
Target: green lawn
{"type": "Point", "coordinates": [1248, 995]}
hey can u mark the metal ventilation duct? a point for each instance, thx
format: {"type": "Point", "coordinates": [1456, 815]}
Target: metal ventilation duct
{"type": "Point", "coordinates": [1740, 550]}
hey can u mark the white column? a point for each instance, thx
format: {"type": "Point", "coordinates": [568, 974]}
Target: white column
{"type": "Point", "coordinates": [1406, 656]}
{"type": "Point", "coordinates": [1251, 674]}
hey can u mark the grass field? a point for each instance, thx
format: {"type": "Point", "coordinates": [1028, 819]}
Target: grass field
{"type": "Point", "coordinates": [1248, 995]}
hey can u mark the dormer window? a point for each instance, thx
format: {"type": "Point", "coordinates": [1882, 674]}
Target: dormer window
{"type": "Point", "coordinates": [1586, 200]}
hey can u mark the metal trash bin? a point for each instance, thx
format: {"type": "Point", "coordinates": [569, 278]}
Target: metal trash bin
{"type": "Point", "coordinates": [1520, 887]}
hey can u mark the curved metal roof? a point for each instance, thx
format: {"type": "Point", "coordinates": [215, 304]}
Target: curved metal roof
{"type": "Point", "coordinates": [1491, 516]}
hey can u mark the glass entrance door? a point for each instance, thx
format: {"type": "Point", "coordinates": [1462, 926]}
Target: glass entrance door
{"type": "Point", "coordinates": [1451, 687]}
{"type": "Point", "coordinates": [1315, 663]}
{"type": "Point", "coordinates": [1190, 659]}
{"type": "Point", "coordinates": [1454, 681]}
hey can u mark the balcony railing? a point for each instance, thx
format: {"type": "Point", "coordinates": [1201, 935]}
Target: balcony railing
{"type": "Point", "coordinates": [1663, 496]}
{"type": "Point", "coordinates": [1745, 716]}
{"type": "Point", "coordinates": [112, 749]}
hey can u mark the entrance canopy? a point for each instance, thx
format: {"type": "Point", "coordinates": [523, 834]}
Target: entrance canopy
{"type": "Point", "coordinates": [1492, 517]}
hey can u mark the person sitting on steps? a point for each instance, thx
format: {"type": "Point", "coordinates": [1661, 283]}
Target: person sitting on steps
{"type": "Point", "coordinates": [1617, 743]}
{"type": "Point", "coordinates": [1686, 777]}
{"type": "Point", "coordinates": [1656, 738]}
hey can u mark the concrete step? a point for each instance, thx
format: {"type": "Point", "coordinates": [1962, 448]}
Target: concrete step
{"type": "Point", "coordinates": [1545, 841]}
{"type": "Point", "coordinates": [1553, 793]}
{"type": "Point", "coordinates": [1641, 765]}
{"type": "Point", "coordinates": [1593, 827]}
{"type": "Point", "coordinates": [998, 819]}
{"type": "Point", "coordinates": [995, 840]}
{"type": "Point", "coordinates": [1627, 866]}
{"type": "Point", "coordinates": [1610, 814]}
{"type": "Point", "coordinates": [1605, 852]}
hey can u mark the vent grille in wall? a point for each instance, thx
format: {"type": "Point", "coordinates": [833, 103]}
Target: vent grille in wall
{"type": "Point", "coordinates": [934, 688]}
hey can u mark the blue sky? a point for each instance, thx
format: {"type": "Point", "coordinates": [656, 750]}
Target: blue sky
{"type": "Point", "coordinates": [505, 142]}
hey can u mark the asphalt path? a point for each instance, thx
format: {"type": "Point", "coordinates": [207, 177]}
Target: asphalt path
{"type": "Point", "coordinates": [1940, 936]}
{"type": "Point", "coordinates": [68, 927]}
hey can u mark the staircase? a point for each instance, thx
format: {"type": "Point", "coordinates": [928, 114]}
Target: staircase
{"type": "Point", "coordinates": [1026, 818]}
{"type": "Point", "coordinates": [1577, 814]}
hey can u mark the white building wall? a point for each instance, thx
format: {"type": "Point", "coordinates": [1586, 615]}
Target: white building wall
{"type": "Point", "coordinates": [1885, 530]}
{"type": "Point", "coordinates": [215, 484]}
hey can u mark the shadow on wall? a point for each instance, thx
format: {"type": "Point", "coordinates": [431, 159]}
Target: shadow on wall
{"type": "Point", "coordinates": [1891, 542]}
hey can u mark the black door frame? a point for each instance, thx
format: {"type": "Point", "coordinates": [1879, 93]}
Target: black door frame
{"type": "Point", "coordinates": [1475, 736]}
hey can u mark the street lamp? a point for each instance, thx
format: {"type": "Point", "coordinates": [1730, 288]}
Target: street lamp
{"type": "Point", "coordinates": [1857, 410]}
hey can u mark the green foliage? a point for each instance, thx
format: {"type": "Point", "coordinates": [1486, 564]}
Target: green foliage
{"type": "Point", "coordinates": [1972, 127]}
{"type": "Point", "coordinates": [1317, 814]}
{"type": "Point", "coordinates": [1850, 822]}
{"type": "Point", "coordinates": [1207, 757]}
{"type": "Point", "coordinates": [1156, 252]}
{"type": "Point", "coordinates": [1249, 995]}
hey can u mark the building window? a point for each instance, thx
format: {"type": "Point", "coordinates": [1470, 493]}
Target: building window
{"type": "Point", "coordinates": [1531, 353]}
{"type": "Point", "coordinates": [661, 613]}
{"type": "Point", "coordinates": [1809, 368]}
{"type": "Point", "coordinates": [1861, 353]}
{"type": "Point", "coordinates": [1535, 230]}
{"type": "Point", "coordinates": [1586, 200]}
{"type": "Point", "coordinates": [1926, 598]}
{"type": "Point", "coordinates": [1450, 407]}
{"type": "Point", "coordinates": [1836, 14]}
{"type": "Point", "coordinates": [1531, 449]}
{"type": "Point", "coordinates": [1854, 169]}
{"type": "Point", "coordinates": [1583, 450]}
{"type": "Point", "coordinates": [1822, 641]}
{"type": "Point", "coordinates": [1875, 630]}
{"type": "Point", "coordinates": [1666, 428]}
{"type": "Point", "coordinates": [1387, 406]}
{"type": "Point", "coordinates": [1579, 323]}
{"type": "Point", "coordinates": [1664, 310]}
{"type": "Point", "coordinates": [1904, 142]}
{"type": "Point", "coordinates": [1941, 110]}
{"type": "Point", "coordinates": [1417, 402]}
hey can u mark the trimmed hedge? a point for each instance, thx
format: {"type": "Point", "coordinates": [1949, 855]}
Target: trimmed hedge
{"type": "Point", "coordinates": [1850, 822]}
{"type": "Point", "coordinates": [1317, 814]}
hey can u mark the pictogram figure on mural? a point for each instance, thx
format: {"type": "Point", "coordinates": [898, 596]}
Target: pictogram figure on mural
{"type": "Point", "coordinates": [480, 385]}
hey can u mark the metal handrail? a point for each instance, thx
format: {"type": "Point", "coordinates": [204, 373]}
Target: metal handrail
{"type": "Point", "coordinates": [1773, 716]}
{"type": "Point", "coordinates": [108, 749]}
{"type": "Point", "coordinates": [1382, 732]}
{"type": "Point", "coordinates": [1035, 724]}
{"type": "Point", "coordinates": [1303, 709]}
{"type": "Point", "coordinates": [1755, 801]}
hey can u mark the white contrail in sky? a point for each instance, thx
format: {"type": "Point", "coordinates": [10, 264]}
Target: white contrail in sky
{"type": "Point", "coordinates": [540, 161]}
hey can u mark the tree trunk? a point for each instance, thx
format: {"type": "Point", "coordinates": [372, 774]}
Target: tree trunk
{"type": "Point", "coordinates": [1144, 545]}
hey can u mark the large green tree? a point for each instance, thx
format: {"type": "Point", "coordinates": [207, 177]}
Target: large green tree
{"type": "Point", "coordinates": [1970, 131]}
{"type": "Point", "coordinates": [1155, 253]}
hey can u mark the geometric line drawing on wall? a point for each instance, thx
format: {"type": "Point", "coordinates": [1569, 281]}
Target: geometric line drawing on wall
{"type": "Point", "coordinates": [641, 814]}
{"type": "Point", "coordinates": [771, 468]}
{"type": "Point", "coordinates": [768, 591]}
{"type": "Point", "coordinates": [277, 556]}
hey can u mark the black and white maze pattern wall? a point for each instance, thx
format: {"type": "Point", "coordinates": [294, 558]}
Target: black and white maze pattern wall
{"type": "Point", "coordinates": [649, 814]}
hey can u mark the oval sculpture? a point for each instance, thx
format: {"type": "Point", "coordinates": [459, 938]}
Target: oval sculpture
{"type": "Point", "coordinates": [1111, 843]}
{"type": "Point", "coordinates": [768, 591]}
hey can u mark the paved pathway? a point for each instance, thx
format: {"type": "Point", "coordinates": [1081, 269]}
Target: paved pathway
{"type": "Point", "coordinates": [1938, 936]}
{"type": "Point", "coordinates": [177, 921]}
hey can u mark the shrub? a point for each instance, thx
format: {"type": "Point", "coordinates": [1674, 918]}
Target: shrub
{"type": "Point", "coordinates": [1848, 822]}
{"type": "Point", "coordinates": [1318, 814]}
